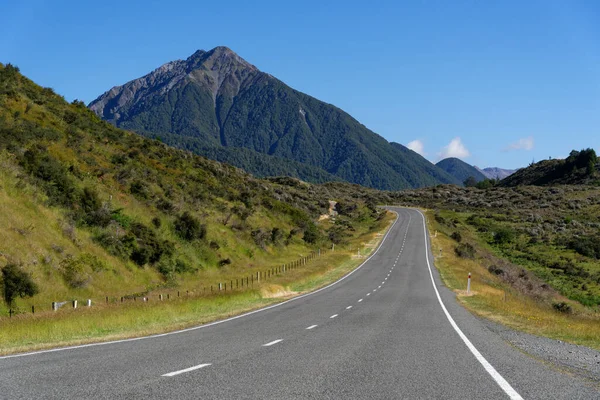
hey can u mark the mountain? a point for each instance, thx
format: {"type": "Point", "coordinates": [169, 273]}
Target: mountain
{"type": "Point", "coordinates": [90, 210]}
{"type": "Point", "coordinates": [460, 169]}
{"type": "Point", "coordinates": [496, 173]}
{"type": "Point", "coordinates": [216, 100]}
{"type": "Point", "coordinates": [580, 168]}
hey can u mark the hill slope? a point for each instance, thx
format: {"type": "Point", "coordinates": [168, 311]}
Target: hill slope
{"type": "Point", "coordinates": [216, 99]}
{"type": "Point", "coordinates": [460, 169]}
{"type": "Point", "coordinates": [580, 168]}
{"type": "Point", "coordinates": [91, 210]}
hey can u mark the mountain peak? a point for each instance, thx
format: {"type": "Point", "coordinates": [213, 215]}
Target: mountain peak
{"type": "Point", "coordinates": [219, 57]}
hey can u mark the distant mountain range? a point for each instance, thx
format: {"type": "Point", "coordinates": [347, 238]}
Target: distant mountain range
{"type": "Point", "coordinates": [218, 105]}
{"type": "Point", "coordinates": [496, 173]}
{"type": "Point", "coordinates": [460, 169]}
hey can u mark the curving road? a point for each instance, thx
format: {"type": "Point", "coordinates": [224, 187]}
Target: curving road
{"type": "Point", "coordinates": [389, 330]}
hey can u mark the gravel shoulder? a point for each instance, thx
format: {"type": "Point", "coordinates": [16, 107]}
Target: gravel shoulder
{"type": "Point", "coordinates": [571, 358]}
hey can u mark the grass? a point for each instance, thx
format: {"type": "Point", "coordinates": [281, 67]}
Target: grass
{"type": "Point", "coordinates": [114, 321]}
{"type": "Point", "coordinates": [499, 301]}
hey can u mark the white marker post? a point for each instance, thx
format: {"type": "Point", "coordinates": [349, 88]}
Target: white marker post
{"type": "Point", "coordinates": [469, 284]}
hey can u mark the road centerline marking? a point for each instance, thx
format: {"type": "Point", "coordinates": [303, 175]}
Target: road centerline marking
{"type": "Point", "coordinates": [183, 371]}
{"type": "Point", "coordinates": [311, 327]}
{"type": "Point", "coordinates": [349, 307]}
{"type": "Point", "coordinates": [360, 300]}
{"type": "Point", "coordinates": [333, 316]}
{"type": "Point", "coordinates": [272, 343]}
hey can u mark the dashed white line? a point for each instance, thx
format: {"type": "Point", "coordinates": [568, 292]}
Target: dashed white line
{"type": "Point", "coordinates": [312, 327]}
{"type": "Point", "coordinates": [272, 343]}
{"type": "Point", "coordinates": [360, 300]}
{"type": "Point", "coordinates": [182, 371]}
{"type": "Point", "coordinates": [368, 294]}
{"type": "Point", "coordinates": [349, 307]}
{"type": "Point", "coordinates": [333, 316]}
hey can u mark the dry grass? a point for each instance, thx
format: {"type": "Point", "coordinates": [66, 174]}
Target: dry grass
{"type": "Point", "coordinates": [498, 301]}
{"type": "Point", "coordinates": [115, 321]}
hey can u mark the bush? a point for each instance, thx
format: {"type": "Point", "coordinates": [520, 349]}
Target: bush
{"type": "Point", "coordinates": [225, 261]}
{"type": "Point", "coordinates": [276, 236]}
{"type": "Point", "coordinates": [74, 271]}
{"type": "Point", "coordinates": [495, 270]}
{"type": "Point", "coordinates": [562, 307]}
{"type": "Point", "coordinates": [465, 250]}
{"type": "Point", "coordinates": [16, 282]}
{"type": "Point", "coordinates": [140, 256]}
{"type": "Point", "coordinates": [189, 228]}
{"type": "Point", "coordinates": [586, 246]}
{"type": "Point", "coordinates": [311, 234]}
{"type": "Point", "coordinates": [456, 236]}
{"type": "Point", "coordinates": [503, 236]}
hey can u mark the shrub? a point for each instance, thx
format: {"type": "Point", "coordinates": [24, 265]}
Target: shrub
{"type": "Point", "coordinates": [311, 234]}
{"type": "Point", "coordinates": [562, 307]}
{"type": "Point", "coordinates": [16, 282]}
{"type": "Point", "coordinates": [74, 272]}
{"type": "Point", "coordinates": [225, 261]}
{"type": "Point", "coordinates": [503, 236]}
{"type": "Point", "coordinates": [456, 236]}
{"type": "Point", "coordinates": [141, 256]}
{"type": "Point", "coordinates": [276, 236]}
{"type": "Point", "coordinates": [493, 269]}
{"type": "Point", "coordinates": [189, 228]}
{"type": "Point", "coordinates": [139, 189]}
{"type": "Point", "coordinates": [260, 237]}
{"type": "Point", "coordinates": [465, 250]}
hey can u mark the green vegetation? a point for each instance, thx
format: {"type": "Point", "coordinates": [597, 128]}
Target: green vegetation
{"type": "Point", "coordinates": [550, 232]}
{"type": "Point", "coordinates": [256, 122]}
{"type": "Point", "coordinates": [462, 171]}
{"type": "Point", "coordinates": [92, 212]}
{"type": "Point", "coordinates": [16, 282]}
{"type": "Point", "coordinates": [581, 167]}
{"type": "Point", "coordinates": [502, 290]}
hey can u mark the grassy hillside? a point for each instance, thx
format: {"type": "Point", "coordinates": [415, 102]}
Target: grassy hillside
{"type": "Point", "coordinates": [580, 168]}
{"type": "Point", "coordinates": [91, 211]}
{"type": "Point", "coordinates": [543, 238]}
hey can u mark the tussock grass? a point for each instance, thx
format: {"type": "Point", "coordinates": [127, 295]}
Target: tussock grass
{"type": "Point", "coordinates": [498, 301]}
{"type": "Point", "coordinates": [194, 306]}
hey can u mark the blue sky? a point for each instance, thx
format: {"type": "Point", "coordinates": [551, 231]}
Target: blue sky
{"type": "Point", "coordinates": [497, 83]}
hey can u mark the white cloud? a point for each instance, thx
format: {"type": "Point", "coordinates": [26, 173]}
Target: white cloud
{"type": "Point", "coordinates": [521, 144]}
{"type": "Point", "coordinates": [417, 146]}
{"type": "Point", "coordinates": [454, 149]}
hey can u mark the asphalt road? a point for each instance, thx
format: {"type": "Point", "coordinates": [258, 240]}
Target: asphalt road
{"type": "Point", "coordinates": [379, 333]}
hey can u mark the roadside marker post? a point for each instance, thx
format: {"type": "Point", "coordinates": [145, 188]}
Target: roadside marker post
{"type": "Point", "coordinates": [469, 284]}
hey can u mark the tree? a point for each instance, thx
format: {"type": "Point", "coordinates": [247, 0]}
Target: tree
{"type": "Point", "coordinates": [470, 182]}
{"type": "Point", "coordinates": [189, 228]}
{"type": "Point", "coordinates": [16, 282]}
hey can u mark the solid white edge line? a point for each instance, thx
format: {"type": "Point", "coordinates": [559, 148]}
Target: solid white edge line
{"type": "Point", "coordinates": [186, 370]}
{"type": "Point", "coordinates": [504, 385]}
{"type": "Point", "coordinates": [272, 343]}
{"type": "Point", "coordinates": [193, 328]}
{"type": "Point", "coordinates": [311, 327]}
